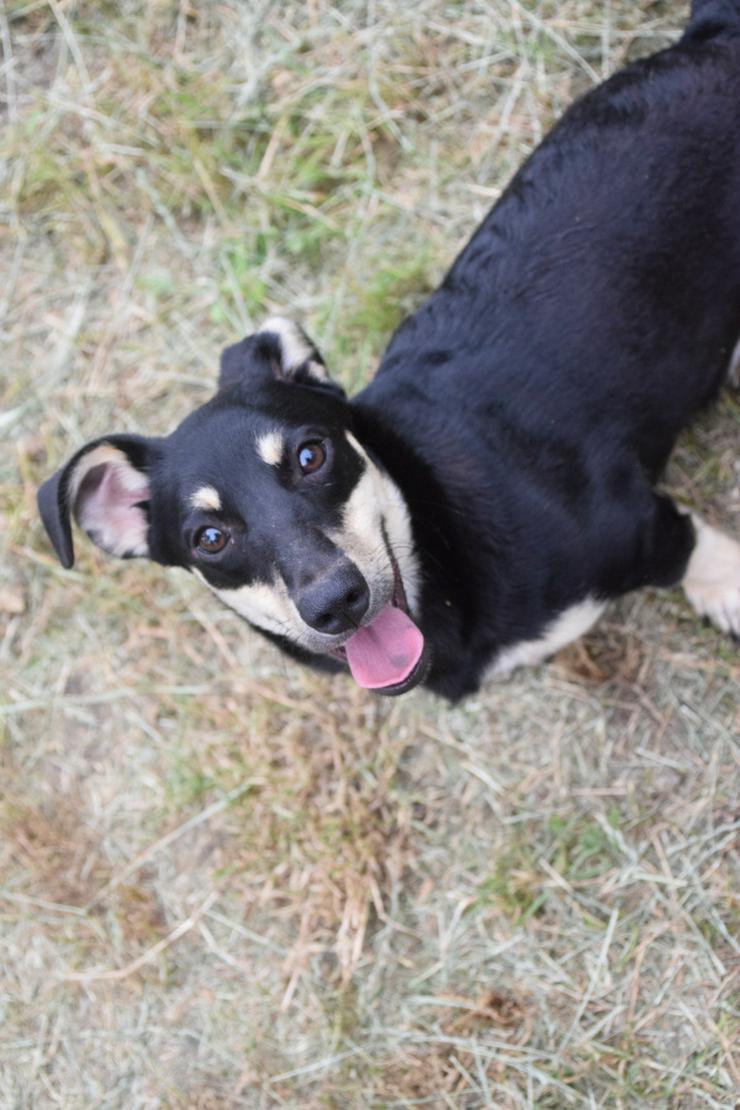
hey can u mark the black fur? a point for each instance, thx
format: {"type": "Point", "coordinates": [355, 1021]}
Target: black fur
{"type": "Point", "coordinates": [541, 389]}
{"type": "Point", "coordinates": [527, 409]}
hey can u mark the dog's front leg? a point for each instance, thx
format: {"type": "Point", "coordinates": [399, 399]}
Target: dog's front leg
{"type": "Point", "coordinates": [712, 579]}
{"type": "Point", "coordinates": [679, 548]}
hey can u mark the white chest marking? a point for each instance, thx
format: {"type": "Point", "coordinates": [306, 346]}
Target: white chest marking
{"type": "Point", "coordinates": [568, 626]}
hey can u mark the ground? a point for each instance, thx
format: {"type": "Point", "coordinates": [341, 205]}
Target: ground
{"type": "Point", "coordinates": [226, 881]}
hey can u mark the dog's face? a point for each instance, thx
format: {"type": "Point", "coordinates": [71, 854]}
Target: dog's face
{"type": "Point", "coordinates": [267, 496]}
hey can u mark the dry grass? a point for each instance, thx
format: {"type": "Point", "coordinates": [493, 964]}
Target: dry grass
{"type": "Point", "coordinates": [230, 882]}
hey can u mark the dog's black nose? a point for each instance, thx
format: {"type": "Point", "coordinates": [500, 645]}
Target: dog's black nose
{"type": "Point", "coordinates": [336, 602]}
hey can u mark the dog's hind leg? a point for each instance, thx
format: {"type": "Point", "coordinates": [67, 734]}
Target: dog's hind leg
{"type": "Point", "coordinates": [712, 579]}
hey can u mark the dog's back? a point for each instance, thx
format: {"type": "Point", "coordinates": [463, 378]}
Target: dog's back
{"type": "Point", "coordinates": [543, 385]}
{"type": "Point", "coordinates": [559, 310]}
{"type": "Point", "coordinates": [710, 18]}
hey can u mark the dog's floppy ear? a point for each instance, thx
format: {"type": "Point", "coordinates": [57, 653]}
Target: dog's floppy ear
{"type": "Point", "coordinates": [105, 486]}
{"type": "Point", "coordinates": [280, 349]}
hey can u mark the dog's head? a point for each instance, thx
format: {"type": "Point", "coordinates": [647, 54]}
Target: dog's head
{"type": "Point", "coordinates": [267, 496]}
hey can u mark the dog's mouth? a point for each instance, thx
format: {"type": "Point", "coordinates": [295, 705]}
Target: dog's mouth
{"type": "Point", "coordinates": [388, 654]}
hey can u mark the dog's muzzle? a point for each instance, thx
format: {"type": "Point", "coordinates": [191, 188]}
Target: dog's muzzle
{"type": "Point", "coordinates": [389, 653]}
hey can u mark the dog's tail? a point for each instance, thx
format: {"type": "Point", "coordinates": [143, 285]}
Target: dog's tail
{"type": "Point", "coordinates": [713, 17]}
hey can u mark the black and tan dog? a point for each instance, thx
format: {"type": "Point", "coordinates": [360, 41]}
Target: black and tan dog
{"type": "Point", "coordinates": [481, 501]}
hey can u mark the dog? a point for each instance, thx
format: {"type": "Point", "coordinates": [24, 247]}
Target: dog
{"type": "Point", "coordinates": [482, 500]}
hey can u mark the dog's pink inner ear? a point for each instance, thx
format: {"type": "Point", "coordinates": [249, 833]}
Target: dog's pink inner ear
{"type": "Point", "coordinates": [108, 506]}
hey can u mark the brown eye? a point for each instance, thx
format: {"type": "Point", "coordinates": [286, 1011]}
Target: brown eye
{"type": "Point", "coordinates": [211, 540]}
{"type": "Point", "coordinates": [311, 457]}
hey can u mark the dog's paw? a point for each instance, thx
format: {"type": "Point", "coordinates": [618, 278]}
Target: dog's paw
{"type": "Point", "coordinates": [712, 580]}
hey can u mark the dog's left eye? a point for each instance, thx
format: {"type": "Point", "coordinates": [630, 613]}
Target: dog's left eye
{"type": "Point", "coordinates": [211, 540]}
{"type": "Point", "coordinates": [311, 457]}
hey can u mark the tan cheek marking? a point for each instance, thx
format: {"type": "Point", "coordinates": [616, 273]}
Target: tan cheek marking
{"type": "Point", "coordinates": [206, 498]}
{"type": "Point", "coordinates": [357, 446]}
{"type": "Point", "coordinates": [376, 497]}
{"type": "Point", "coordinates": [267, 607]}
{"type": "Point", "coordinates": [270, 448]}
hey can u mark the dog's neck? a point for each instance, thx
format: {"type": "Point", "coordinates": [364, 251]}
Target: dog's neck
{"type": "Point", "coordinates": [443, 566]}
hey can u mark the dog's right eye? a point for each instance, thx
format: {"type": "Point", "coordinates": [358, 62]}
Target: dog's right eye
{"type": "Point", "coordinates": [311, 456]}
{"type": "Point", "coordinates": [211, 540]}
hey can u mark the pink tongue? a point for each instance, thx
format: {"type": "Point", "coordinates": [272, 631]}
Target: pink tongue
{"type": "Point", "coordinates": [385, 652]}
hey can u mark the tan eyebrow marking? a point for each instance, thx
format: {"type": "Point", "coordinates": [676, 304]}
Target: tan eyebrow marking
{"type": "Point", "coordinates": [206, 498]}
{"type": "Point", "coordinates": [270, 448]}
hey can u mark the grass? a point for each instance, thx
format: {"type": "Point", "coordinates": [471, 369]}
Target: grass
{"type": "Point", "coordinates": [227, 881]}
